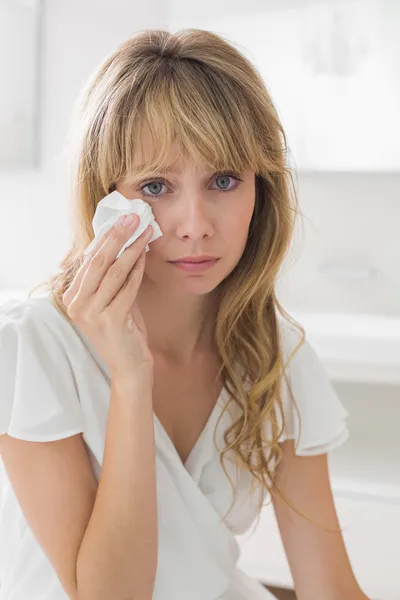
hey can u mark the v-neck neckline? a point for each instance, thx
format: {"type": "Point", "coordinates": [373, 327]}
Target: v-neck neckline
{"type": "Point", "coordinates": [196, 445]}
{"type": "Point", "coordinates": [211, 419]}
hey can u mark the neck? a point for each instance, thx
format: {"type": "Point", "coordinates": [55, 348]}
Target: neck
{"type": "Point", "coordinates": [180, 326]}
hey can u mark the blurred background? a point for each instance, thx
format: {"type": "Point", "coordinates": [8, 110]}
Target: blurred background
{"type": "Point", "coordinates": [333, 69]}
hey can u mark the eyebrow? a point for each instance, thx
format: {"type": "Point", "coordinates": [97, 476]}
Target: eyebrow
{"type": "Point", "coordinates": [167, 169]}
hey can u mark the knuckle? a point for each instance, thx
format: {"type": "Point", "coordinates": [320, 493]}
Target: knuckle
{"type": "Point", "coordinates": [115, 270]}
{"type": "Point", "coordinates": [88, 317]}
{"type": "Point", "coordinates": [107, 320]}
{"type": "Point", "coordinates": [72, 311]}
{"type": "Point", "coordinates": [87, 258]}
{"type": "Point", "coordinates": [65, 297]}
{"type": "Point", "coordinates": [129, 283]}
{"type": "Point", "coordinates": [115, 235]}
{"type": "Point", "coordinates": [98, 260]}
{"type": "Point", "coordinates": [76, 312]}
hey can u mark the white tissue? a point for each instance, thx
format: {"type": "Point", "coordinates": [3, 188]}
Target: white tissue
{"type": "Point", "coordinates": [111, 208]}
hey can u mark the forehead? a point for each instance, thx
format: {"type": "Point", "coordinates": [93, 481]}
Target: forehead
{"type": "Point", "coordinates": [175, 160]}
{"type": "Point", "coordinates": [145, 152]}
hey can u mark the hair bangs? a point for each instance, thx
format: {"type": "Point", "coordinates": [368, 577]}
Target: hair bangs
{"type": "Point", "coordinates": [203, 130]}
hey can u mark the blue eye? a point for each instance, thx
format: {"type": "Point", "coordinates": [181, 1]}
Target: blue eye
{"type": "Point", "coordinates": [161, 180]}
{"type": "Point", "coordinates": [227, 176]}
{"type": "Point", "coordinates": [157, 181]}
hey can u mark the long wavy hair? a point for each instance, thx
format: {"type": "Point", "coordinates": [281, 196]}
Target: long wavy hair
{"type": "Point", "coordinates": [194, 86]}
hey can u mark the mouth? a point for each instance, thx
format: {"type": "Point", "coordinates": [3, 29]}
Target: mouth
{"type": "Point", "coordinates": [194, 266]}
{"type": "Point", "coordinates": [195, 259]}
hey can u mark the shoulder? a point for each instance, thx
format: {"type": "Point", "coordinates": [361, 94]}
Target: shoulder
{"type": "Point", "coordinates": [291, 336]}
{"type": "Point", "coordinates": [38, 371]}
{"type": "Point", "coordinates": [36, 322]}
{"type": "Point", "coordinates": [22, 313]}
{"type": "Point", "coordinates": [299, 355]}
{"type": "Point", "coordinates": [314, 414]}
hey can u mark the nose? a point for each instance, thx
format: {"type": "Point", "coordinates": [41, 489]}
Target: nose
{"type": "Point", "coordinates": [194, 220]}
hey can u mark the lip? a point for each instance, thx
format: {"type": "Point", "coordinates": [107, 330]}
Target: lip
{"type": "Point", "coordinates": [194, 267]}
{"type": "Point", "coordinates": [195, 259]}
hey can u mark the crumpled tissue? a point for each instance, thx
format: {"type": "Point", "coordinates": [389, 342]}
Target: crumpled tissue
{"type": "Point", "coordinates": [111, 208]}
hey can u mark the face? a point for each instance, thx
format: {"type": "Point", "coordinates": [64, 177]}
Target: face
{"type": "Point", "coordinates": [199, 213]}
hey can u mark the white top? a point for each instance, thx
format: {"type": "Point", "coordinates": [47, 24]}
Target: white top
{"type": "Point", "coordinates": [54, 385]}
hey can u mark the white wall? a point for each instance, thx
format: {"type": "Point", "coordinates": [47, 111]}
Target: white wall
{"type": "Point", "coordinates": [34, 224]}
{"type": "Point", "coordinates": [352, 221]}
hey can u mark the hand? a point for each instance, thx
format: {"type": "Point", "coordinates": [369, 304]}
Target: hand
{"type": "Point", "coordinates": [101, 300]}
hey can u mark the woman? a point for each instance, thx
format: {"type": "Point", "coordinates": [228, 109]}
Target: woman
{"type": "Point", "coordinates": [145, 403]}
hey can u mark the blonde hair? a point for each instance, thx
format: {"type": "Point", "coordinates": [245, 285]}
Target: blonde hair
{"type": "Point", "coordinates": [196, 87]}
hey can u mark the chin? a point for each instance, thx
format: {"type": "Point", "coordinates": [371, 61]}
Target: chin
{"type": "Point", "coordinates": [196, 286]}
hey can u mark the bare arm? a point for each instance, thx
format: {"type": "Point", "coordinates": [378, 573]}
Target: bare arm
{"type": "Point", "coordinates": [118, 555]}
{"type": "Point", "coordinates": [101, 540]}
{"type": "Point", "coordinates": [318, 559]}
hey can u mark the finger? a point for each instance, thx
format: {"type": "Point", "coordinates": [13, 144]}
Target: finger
{"type": "Point", "coordinates": [123, 301]}
{"type": "Point", "coordinates": [104, 257]}
{"type": "Point", "coordinates": [118, 272]}
{"type": "Point", "coordinates": [73, 289]}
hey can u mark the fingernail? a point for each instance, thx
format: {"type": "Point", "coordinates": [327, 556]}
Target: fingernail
{"type": "Point", "coordinates": [128, 220]}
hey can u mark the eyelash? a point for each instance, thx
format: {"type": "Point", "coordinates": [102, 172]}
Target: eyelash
{"type": "Point", "coordinates": [163, 180]}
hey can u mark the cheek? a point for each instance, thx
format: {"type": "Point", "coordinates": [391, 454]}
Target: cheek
{"type": "Point", "coordinates": [236, 224]}
{"type": "Point", "coordinates": [155, 255]}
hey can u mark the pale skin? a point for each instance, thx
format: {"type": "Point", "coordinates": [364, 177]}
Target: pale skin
{"type": "Point", "coordinates": [195, 218]}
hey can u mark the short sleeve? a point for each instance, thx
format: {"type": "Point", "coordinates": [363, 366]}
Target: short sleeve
{"type": "Point", "coordinates": [38, 396]}
{"type": "Point", "coordinates": [319, 424]}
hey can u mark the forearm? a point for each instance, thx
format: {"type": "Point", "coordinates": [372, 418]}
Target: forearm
{"type": "Point", "coordinates": [330, 594]}
{"type": "Point", "coordinates": [118, 554]}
